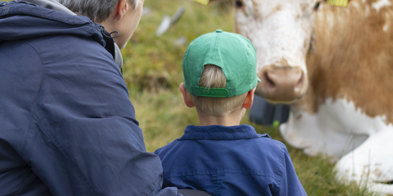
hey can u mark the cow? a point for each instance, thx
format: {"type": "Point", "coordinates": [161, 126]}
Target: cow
{"type": "Point", "coordinates": [334, 64]}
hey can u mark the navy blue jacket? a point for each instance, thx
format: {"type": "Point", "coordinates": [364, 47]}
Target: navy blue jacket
{"type": "Point", "coordinates": [225, 161]}
{"type": "Point", "coordinates": [67, 126]}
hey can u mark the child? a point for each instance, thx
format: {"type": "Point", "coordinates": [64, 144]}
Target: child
{"type": "Point", "coordinates": [220, 156]}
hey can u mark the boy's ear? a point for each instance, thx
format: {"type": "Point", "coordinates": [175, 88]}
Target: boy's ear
{"type": "Point", "coordinates": [186, 96]}
{"type": "Point", "coordinates": [121, 8]}
{"type": "Point", "coordinates": [247, 103]}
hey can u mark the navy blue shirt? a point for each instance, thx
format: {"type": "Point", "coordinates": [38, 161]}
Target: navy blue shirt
{"type": "Point", "coordinates": [229, 161]}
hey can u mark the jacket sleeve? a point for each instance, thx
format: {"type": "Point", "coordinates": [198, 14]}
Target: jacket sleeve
{"type": "Point", "coordinates": [87, 141]}
{"type": "Point", "coordinates": [290, 183]}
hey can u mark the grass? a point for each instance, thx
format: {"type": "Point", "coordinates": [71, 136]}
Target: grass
{"type": "Point", "coordinates": [152, 72]}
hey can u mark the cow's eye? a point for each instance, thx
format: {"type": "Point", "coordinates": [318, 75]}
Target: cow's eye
{"type": "Point", "coordinates": [239, 3]}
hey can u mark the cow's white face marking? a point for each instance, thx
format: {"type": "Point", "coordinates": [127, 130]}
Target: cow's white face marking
{"type": "Point", "coordinates": [380, 4]}
{"type": "Point", "coordinates": [278, 29]}
{"type": "Point", "coordinates": [281, 32]}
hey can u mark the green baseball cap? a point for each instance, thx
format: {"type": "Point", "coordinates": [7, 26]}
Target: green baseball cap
{"type": "Point", "coordinates": [233, 53]}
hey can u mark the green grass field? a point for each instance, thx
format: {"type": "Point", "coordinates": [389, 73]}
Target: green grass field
{"type": "Point", "coordinates": [152, 72]}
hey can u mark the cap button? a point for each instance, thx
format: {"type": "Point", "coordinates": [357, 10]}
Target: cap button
{"type": "Point", "coordinates": [218, 31]}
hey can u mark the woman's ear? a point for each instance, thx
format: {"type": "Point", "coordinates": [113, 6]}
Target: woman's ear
{"type": "Point", "coordinates": [186, 96]}
{"type": "Point", "coordinates": [121, 8]}
{"type": "Point", "coordinates": [247, 103]}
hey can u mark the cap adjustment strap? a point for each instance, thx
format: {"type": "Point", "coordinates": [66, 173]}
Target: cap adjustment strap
{"type": "Point", "coordinates": [213, 92]}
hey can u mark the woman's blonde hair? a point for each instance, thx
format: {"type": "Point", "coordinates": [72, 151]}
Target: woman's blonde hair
{"type": "Point", "coordinates": [213, 77]}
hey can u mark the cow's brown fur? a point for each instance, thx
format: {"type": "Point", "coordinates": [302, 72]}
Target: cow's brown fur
{"type": "Point", "coordinates": [353, 58]}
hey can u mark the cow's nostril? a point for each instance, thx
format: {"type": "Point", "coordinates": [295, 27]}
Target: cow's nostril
{"type": "Point", "coordinates": [300, 81]}
{"type": "Point", "coordinates": [268, 81]}
{"type": "Point", "coordinates": [299, 85]}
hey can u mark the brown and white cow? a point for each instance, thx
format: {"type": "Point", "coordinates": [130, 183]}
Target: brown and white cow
{"type": "Point", "coordinates": [335, 64]}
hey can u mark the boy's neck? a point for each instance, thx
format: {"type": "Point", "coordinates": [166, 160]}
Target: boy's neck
{"type": "Point", "coordinates": [230, 119]}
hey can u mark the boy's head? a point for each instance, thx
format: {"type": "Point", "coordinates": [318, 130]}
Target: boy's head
{"type": "Point", "coordinates": [219, 70]}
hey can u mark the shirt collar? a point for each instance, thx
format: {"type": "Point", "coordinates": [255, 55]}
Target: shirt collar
{"type": "Point", "coordinates": [218, 132]}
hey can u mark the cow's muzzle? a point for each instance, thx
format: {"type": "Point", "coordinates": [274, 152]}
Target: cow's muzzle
{"type": "Point", "coordinates": [282, 84]}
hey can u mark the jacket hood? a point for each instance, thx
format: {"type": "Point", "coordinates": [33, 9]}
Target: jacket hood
{"type": "Point", "coordinates": [29, 19]}
{"type": "Point", "coordinates": [50, 4]}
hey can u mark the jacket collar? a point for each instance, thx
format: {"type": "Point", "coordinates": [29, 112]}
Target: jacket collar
{"type": "Point", "coordinates": [218, 132]}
